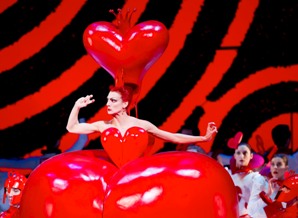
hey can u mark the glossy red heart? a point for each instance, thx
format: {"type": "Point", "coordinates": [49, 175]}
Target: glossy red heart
{"type": "Point", "coordinates": [122, 149]}
{"type": "Point", "coordinates": [126, 55]}
{"type": "Point", "coordinates": [71, 184]}
{"type": "Point", "coordinates": [171, 184]}
{"type": "Point", "coordinates": [235, 141]}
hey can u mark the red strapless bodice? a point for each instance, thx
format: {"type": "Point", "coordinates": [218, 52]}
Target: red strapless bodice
{"type": "Point", "coordinates": [123, 149]}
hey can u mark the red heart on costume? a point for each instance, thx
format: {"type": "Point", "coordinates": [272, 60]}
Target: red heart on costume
{"type": "Point", "coordinates": [170, 184]}
{"type": "Point", "coordinates": [122, 149]}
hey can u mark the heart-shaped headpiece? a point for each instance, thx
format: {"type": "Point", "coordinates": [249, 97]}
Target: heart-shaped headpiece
{"type": "Point", "coordinates": [126, 52]}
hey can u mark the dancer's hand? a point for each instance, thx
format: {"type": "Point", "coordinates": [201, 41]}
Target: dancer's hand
{"type": "Point", "coordinates": [211, 129]}
{"type": "Point", "coordinates": [84, 101]}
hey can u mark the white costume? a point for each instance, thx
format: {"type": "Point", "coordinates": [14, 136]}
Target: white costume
{"type": "Point", "coordinates": [250, 185]}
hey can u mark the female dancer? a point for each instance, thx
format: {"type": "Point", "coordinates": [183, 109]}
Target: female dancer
{"type": "Point", "coordinates": [278, 168]}
{"type": "Point", "coordinates": [280, 198]}
{"type": "Point", "coordinates": [248, 182]}
{"type": "Point", "coordinates": [123, 125]}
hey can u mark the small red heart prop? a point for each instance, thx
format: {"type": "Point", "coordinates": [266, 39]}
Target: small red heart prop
{"type": "Point", "coordinates": [126, 53]}
{"type": "Point", "coordinates": [235, 141]}
{"type": "Point", "coordinates": [171, 184]}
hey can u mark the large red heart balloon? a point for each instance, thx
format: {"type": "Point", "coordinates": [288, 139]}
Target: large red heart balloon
{"type": "Point", "coordinates": [71, 184]}
{"type": "Point", "coordinates": [171, 184]}
{"type": "Point", "coordinates": [126, 53]}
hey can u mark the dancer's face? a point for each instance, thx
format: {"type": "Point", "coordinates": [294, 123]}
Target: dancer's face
{"type": "Point", "coordinates": [115, 104]}
{"type": "Point", "coordinates": [242, 156]}
{"type": "Point", "coordinates": [12, 192]}
{"type": "Point", "coordinates": [278, 168]}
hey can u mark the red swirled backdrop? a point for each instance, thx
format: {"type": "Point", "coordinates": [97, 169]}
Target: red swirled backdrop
{"type": "Point", "coordinates": [231, 62]}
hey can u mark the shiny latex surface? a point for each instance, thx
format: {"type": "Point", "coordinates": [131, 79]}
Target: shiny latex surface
{"type": "Point", "coordinates": [67, 185]}
{"type": "Point", "coordinates": [170, 184]}
{"type": "Point", "coordinates": [291, 182]}
{"type": "Point", "coordinates": [10, 213]}
{"type": "Point", "coordinates": [123, 149]}
{"type": "Point", "coordinates": [126, 55]}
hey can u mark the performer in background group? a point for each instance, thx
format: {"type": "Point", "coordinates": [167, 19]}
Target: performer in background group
{"type": "Point", "coordinates": [249, 183]}
{"type": "Point", "coordinates": [13, 188]}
